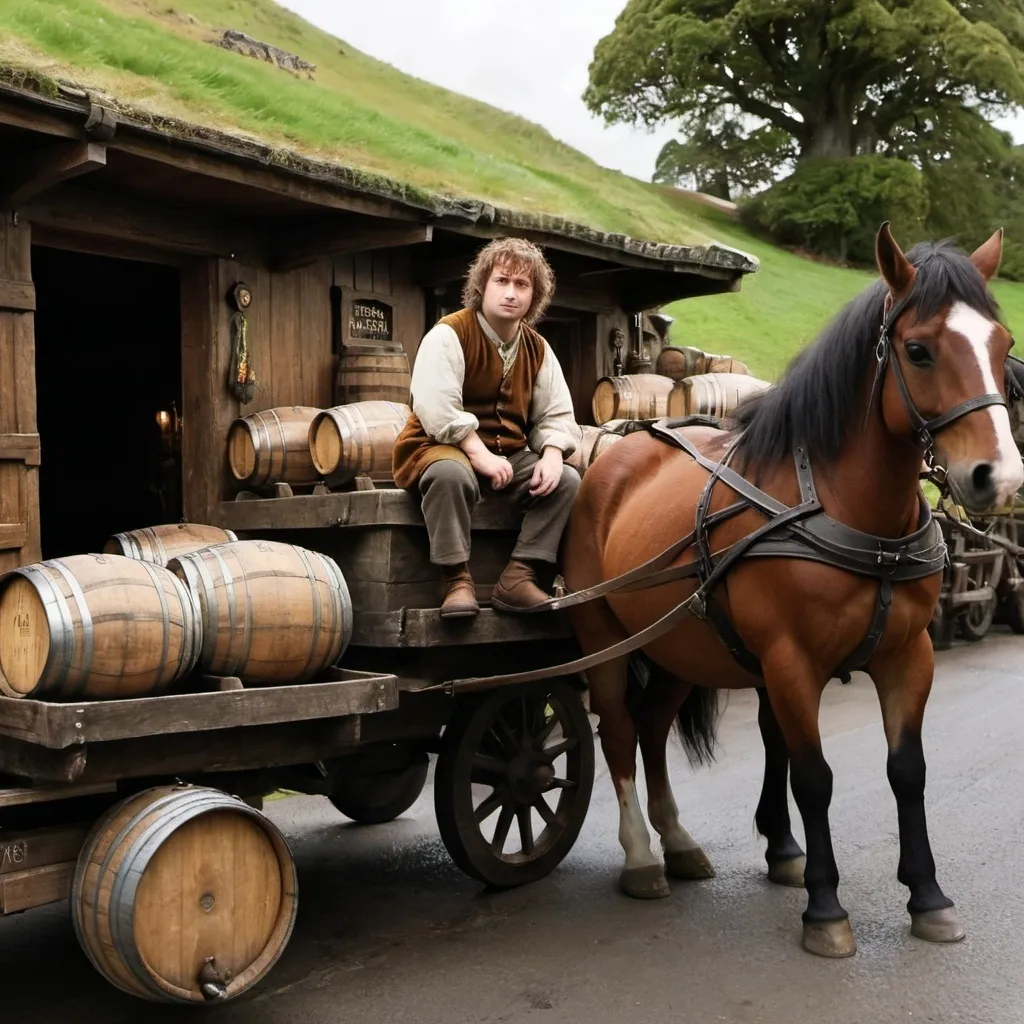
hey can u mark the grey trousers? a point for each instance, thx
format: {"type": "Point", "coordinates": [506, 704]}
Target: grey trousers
{"type": "Point", "coordinates": [449, 492]}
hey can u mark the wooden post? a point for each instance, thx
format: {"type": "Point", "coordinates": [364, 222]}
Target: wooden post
{"type": "Point", "coordinates": [19, 439]}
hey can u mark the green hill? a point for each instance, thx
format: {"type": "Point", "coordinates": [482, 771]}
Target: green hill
{"type": "Point", "coordinates": [159, 59]}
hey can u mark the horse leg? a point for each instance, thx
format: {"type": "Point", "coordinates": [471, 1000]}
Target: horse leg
{"type": "Point", "coordinates": [795, 695]}
{"type": "Point", "coordinates": [642, 876]}
{"type": "Point", "coordinates": [903, 684]}
{"type": "Point", "coordinates": [661, 699]}
{"type": "Point", "coordinates": [786, 861]}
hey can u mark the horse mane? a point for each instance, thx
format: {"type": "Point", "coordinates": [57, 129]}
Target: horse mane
{"type": "Point", "coordinates": [821, 394]}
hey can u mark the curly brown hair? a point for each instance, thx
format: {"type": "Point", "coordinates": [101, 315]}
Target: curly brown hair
{"type": "Point", "coordinates": [518, 256]}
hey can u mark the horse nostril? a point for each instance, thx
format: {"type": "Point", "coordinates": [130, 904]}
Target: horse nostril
{"type": "Point", "coordinates": [981, 478]}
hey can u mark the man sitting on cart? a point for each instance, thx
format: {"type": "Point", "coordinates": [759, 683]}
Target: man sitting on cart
{"type": "Point", "coordinates": [490, 407]}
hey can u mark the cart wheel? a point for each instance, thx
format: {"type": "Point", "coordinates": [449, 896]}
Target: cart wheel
{"type": "Point", "coordinates": [977, 619]}
{"type": "Point", "coordinates": [382, 796]}
{"type": "Point", "coordinates": [521, 756]}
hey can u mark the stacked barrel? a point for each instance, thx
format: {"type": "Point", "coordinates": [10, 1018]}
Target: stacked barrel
{"type": "Point", "coordinates": [687, 381]}
{"type": "Point", "coordinates": [161, 603]}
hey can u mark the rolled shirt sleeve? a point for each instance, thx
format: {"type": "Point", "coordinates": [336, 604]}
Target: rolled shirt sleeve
{"type": "Point", "coordinates": [553, 422]}
{"type": "Point", "coordinates": [436, 387]}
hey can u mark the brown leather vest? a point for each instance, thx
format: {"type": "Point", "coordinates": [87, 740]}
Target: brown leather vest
{"type": "Point", "coordinates": [500, 402]}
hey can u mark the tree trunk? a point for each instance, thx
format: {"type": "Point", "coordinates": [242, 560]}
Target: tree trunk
{"type": "Point", "coordinates": [831, 138]}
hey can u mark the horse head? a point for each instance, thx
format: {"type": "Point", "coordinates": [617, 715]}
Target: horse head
{"type": "Point", "coordinates": [946, 352]}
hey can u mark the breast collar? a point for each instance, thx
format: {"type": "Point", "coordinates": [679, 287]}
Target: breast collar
{"type": "Point", "coordinates": [804, 531]}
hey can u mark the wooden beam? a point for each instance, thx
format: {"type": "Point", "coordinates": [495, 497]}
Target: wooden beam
{"type": "Point", "coordinates": [18, 296]}
{"type": "Point", "coordinates": [28, 116]}
{"type": "Point", "coordinates": [35, 887]}
{"type": "Point", "coordinates": [24, 177]}
{"type": "Point", "coordinates": [13, 536]}
{"type": "Point", "coordinates": [67, 208]}
{"type": "Point", "coordinates": [304, 245]}
{"type": "Point", "coordinates": [385, 507]}
{"type": "Point", "coordinates": [20, 448]}
{"type": "Point", "coordinates": [246, 169]}
{"type": "Point", "coordinates": [422, 627]}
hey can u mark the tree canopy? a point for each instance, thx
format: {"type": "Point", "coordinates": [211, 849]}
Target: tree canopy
{"type": "Point", "coordinates": [839, 77]}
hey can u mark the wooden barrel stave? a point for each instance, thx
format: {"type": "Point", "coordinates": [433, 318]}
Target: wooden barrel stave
{"type": "Point", "coordinates": [635, 396]}
{"type": "Point", "coordinates": [593, 441]}
{"type": "Point", "coordinates": [159, 544]}
{"type": "Point", "coordinates": [356, 440]}
{"type": "Point", "coordinates": [96, 627]}
{"type": "Point", "coordinates": [680, 361]}
{"type": "Point", "coordinates": [712, 394]}
{"type": "Point", "coordinates": [187, 862]}
{"type": "Point", "coordinates": [271, 612]}
{"type": "Point", "coordinates": [272, 446]}
{"type": "Point", "coordinates": [372, 373]}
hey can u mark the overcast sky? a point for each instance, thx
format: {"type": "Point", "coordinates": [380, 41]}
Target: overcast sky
{"type": "Point", "coordinates": [529, 57]}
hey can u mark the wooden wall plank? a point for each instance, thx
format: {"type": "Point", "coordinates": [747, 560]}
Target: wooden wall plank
{"type": "Point", "coordinates": [344, 271]}
{"type": "Point", "coordinates": [382, 272]}
{"type": "Point", "coordinates": [363, 271]}
{"type": "Point", "coordinates": [208, 407]}
{"type": "Point", "coordinates": [315, 333]}
{"type": "Point", "coordinates": [19, 481]}
{"type": "Point", "coordinates": [285, 339]}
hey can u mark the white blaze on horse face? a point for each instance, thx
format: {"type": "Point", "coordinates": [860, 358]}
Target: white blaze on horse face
{"type": "Point", "coordinates": [1007, 468]}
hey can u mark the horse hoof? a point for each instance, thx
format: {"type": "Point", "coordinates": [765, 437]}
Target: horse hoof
{"type": "Point", "coordinates": [688, 865]}
{"type": "Point", "coordinates": [788, 872]}
{"type": "Point", "coordinates": [647, 883]}
{"type": "Point", "coordinates": [937, 925]}
{"type": "Point", "coordinates": [829, 938]}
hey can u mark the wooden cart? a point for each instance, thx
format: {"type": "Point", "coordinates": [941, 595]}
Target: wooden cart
{"type": "Point", "coordinates": [970, 593]}
{"type": "Point", "coordinates": [146, 814]}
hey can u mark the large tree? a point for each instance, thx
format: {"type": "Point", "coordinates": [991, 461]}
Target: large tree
{"type": "Point", "coordinates": [840, 77]}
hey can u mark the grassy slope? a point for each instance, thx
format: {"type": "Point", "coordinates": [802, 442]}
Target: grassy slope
{"type": "Point", "coordinates": [364, 113]}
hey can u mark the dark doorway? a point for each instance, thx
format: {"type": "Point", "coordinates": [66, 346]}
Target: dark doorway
{"type": "Point", "coordinates": [108, 361]}
{"type": "Point", "coordinates": [572, 337]}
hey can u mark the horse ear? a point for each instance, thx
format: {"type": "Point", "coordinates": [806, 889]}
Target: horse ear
{"type": "Point", "coordinates": [987, 256]}
{"type": "Point", "coordinates": [894, 267]}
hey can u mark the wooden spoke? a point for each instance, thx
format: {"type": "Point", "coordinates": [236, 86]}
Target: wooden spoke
{"type": "Point", "coordinates": [486, 769]}
{"type": "Point", "coordinates": [488, 806]}
{"type": "Point", "coordinates": [560, 748]}
{"type": "Point", "coordinates": [525, 829]}
{"type": "Point", "coordinates": [544, 810]}
{"type": "Point", "coordinates": [545, 734]}
{"type": "Point", "coordinates": [561, 784]}
{"type": "Point", "coordinates": [508, 812]}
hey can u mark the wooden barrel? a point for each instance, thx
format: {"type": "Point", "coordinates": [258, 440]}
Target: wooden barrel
{"type": "Point", "coordinates": [678, 362]}
{"type": "Point", "coordinates": [272, 447]}
{"type": "Point", "coordinates": [712, 394]}
{"type": "Point", "coordinates": [357, 439]}
{"type": "Point", "coordinates": [633, 396]}
{"type": "Point", "coordinates": [595, 440]}
{"type": "Point", "coordinates": [372, 373]}
{"type": "Point", "coordinates": [95, 627]}
{"type": "Point", "coordinates": [184, 895]}
{"type": "Point", "coordinates": [160, 544]}
{"type": "Point", "coordinates": [271, 612]}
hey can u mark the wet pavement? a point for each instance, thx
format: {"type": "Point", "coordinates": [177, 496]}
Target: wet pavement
{"type": "Point", "coordinates": [389, 930]}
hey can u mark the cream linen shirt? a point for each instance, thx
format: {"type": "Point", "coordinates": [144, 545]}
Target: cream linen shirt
{"type": "Point", "coordinates": [436, 392]}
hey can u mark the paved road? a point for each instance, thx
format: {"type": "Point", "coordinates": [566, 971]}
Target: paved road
{"type": "Point", "coordinates": [390, 931]}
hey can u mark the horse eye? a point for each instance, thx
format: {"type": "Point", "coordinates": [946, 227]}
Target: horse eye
{"type": "Point", "coordinates": [918, 354]}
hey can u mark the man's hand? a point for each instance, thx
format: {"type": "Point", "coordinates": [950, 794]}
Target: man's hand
{"type": "Point", "coordinates": [492, 467]}
{"type": "Point", "coordinates": [547, 473]}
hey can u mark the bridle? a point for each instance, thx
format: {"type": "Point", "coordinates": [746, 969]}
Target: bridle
{"type": "Point", "coordinates": [924, 430]}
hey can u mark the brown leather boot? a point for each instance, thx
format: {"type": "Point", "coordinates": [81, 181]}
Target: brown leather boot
{"type": "Point", "coordinates": [459, 593]}
{"type": "Point", "coordinates": [517, 590]}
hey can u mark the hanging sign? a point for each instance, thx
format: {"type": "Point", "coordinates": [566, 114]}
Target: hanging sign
{"type": "Point", "coordinates": [370, 320]}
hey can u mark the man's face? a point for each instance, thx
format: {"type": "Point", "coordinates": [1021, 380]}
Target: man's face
{"type": "Point", "coordinates": [507, 296]}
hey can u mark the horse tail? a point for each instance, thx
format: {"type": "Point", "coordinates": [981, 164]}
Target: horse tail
{"type": "Point", "coordinates": [697, 724]}
{"type": "Point", "coordinates": [697, 717]}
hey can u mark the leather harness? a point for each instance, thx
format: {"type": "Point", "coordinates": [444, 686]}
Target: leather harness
{"type": "Point", "coordinates": [803, 531]}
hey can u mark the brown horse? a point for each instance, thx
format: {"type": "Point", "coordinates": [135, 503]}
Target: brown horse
{"type": "Point", "coordinates": [910, 369]}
